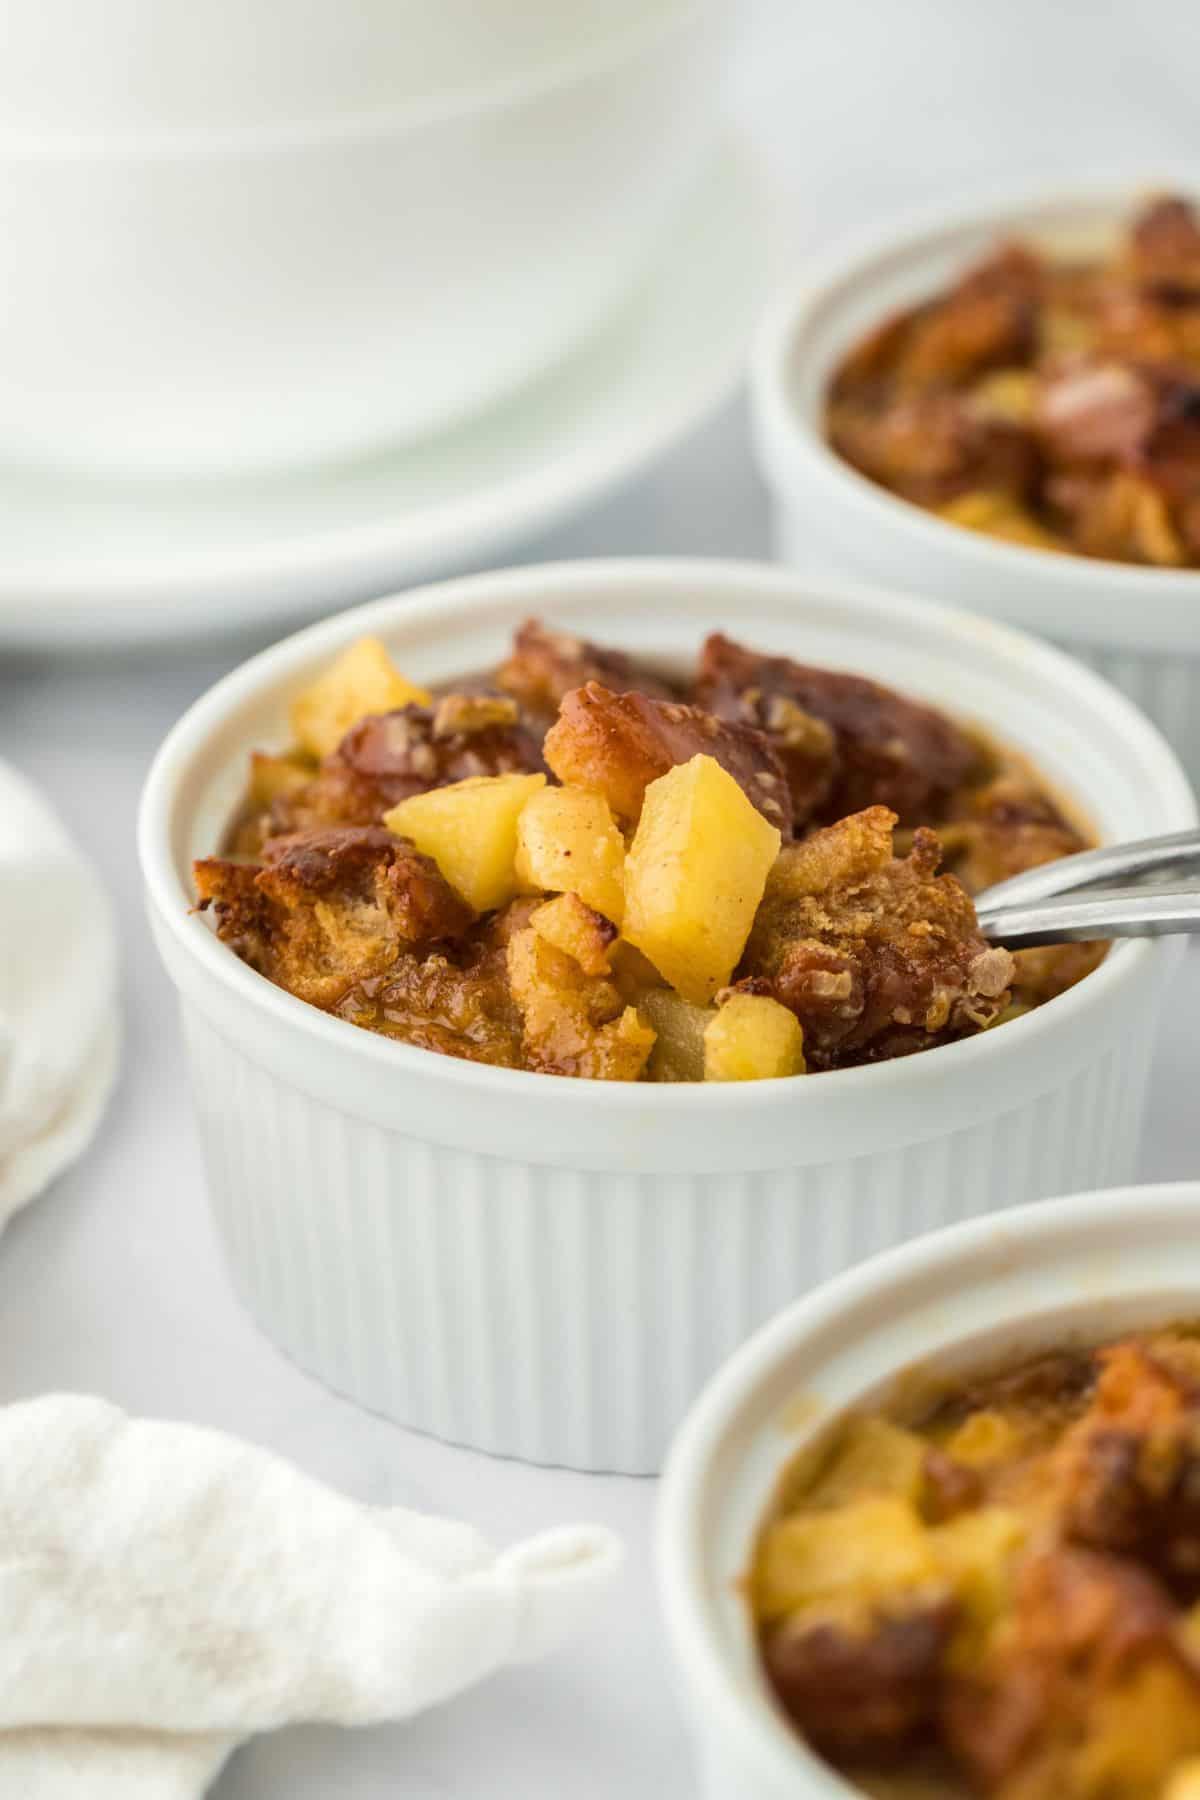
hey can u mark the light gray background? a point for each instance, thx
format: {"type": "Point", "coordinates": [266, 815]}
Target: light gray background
{"type": "Point", "coordinates": [112, 1282]}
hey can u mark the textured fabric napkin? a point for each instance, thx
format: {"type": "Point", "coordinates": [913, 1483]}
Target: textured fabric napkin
{"type": "Point", "coordinates": [167, 1591]}
{"type": "Point", "coordinates": [58, 1007]}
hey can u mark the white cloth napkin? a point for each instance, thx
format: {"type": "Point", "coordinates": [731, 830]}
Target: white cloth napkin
{"type": "Point", "coordinates": [59, 1032]}
{"type": "Point", "coordinates": [166, 1591]}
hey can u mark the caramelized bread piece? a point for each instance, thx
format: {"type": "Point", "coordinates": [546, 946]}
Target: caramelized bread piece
{"type": "Point", "coordinates": [987, 322]}
{"type": "Point", "coordinates": [1087, 1695]}
{"type": "Point", "coordinates": [1164, 247]}
{"type": "Point", "coordinates": [1129, 1469]}
{"type": "Point", "coordinates": [461, 737]}
{"type": "Point", "coordinates": [861, 1689]}
{"type": "Point", "coordinates": [1002, 828]}
{"type": "Point", "coordinates": [331, 907]}
{"type": "Point", "coordinates": [887, 751]}
{"type": "Point", "coordinates": [455, 1000]}
{"type": "Point", "coordinates": [578, 930]}
{"type": "Point", "coordinates": [1117, 513]}
{"type": "Point", "coordinates": [545, 665]}
{"type": "Point", "coordinates": [932, 447]}
{"type": "Point", "coordinates": [575, 1023]}
{"type": "Point", "coordinates": [999, 830]}
{"type": "Point", "coordinates": [876, 957]}
{"type": "Point", "coordinates": [387, 757]}
{"type": "Point", "coordinates": [728, 685]}
{"type": "Point", "coordinates": [617, 744]}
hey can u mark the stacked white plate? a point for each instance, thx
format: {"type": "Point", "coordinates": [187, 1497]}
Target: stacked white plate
{"type": "Point", "coordinates": [293, 316]}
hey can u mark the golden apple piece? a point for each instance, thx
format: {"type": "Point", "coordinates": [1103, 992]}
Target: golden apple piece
{"type": "Point", "coordinates": [470, 831]}
{"type": "Point", "coordinates": [694, 876]}
{"type": "Point", "coordinates": [976, 1552]}
{"type": "Point", "coordinates": [860, 1554]}
{"type": "Point", "coordinates": [273, 776]}
{"type": "Point", "coordinates": [870, 1455]}
{"type": "Point", "coordinates": [753, 1038]}
{"type": "Point", "coordinates": [568, 842]}
{"type": "Point", "coordinates": [362, 680]}
{"type": "Point", "coordinates": [998, 515]}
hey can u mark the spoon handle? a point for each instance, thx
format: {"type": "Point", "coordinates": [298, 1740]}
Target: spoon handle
{"type": "Point", "coordinates": [1176, 854]}
{"type": "Point", "coordinates": [1092, 918]}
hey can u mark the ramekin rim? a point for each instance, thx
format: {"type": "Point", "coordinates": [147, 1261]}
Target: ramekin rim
{"type": "Point", "coordinates": [174, 907]}
{"type": "Point", "coordinates": [195, 143]}
{"type": "Point", "coordinates": [855, 254]}
{"type": "Point", "coordinates": [678, 1553]}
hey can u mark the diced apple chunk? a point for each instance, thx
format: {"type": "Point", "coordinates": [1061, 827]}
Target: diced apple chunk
{"type": "Point", "coordinates": [753, 1038]}
{"type": "Point", "coordinates": [850, 1556]}
{"type": "Point", "coordinates": [568, 842]}
{"type": "Point", "coordinates": [362, 680]}
{"type": "Point", "coordinates": [470, 831]}
{"type": "Point", "coordinates": [679, 1026]}
{"type": "Point", "coordinates": [870, 1455]}
{"type": "Point", "coordinates": [694, 876]}
{"type": "Point", "coordinates": [976, 1552]}
{"type": "Point", "coordinates": [271, 776]}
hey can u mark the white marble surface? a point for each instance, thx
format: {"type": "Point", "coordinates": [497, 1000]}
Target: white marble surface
{"type": "Point", "coordinates": [112, 1282]}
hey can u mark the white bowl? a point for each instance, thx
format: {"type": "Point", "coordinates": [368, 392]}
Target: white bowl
{"type": "Point", "coordinates": [1079, 1270]}
{"type": "Point", "coordinates": [131, 66]}
{"type": "Point", "coordinates": [224, 302]}
{"type": "Point", "coordinates": [550, 1268]}
{"type": "Point", "coordinates": [1140, 627]}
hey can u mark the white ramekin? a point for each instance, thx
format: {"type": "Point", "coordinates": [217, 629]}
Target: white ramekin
{"type": "Point", "coordinates": [221, 302]}
{"type": "Point", "coordinates": [1139, 627]}
{"type": "Point", "coordinates": [1077, 1271]}
{"type": "Point", "coordinates": [550, 1268]}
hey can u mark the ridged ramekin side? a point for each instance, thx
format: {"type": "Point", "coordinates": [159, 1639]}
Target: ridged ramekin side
{"type": "Point", "coordinates": [571, 1316]}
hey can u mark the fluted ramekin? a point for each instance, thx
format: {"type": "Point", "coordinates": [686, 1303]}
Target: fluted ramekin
{"type": "Point", "coordinates": [549, 1268]}
{"type": "Point", "coordinates": [1077, 1271]}
{"type": "Point", "coordinates": [1140, 627]}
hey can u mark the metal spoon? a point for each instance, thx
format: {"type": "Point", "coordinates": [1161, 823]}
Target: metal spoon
{"type": "Point", "coordinates": [1117, 864]}
{"type": "Point", "coordinates": [1090, 917]}
{"type": "Point", "coordinates": [1099, 894]}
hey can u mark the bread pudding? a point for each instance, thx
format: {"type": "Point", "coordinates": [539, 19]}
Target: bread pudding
{"type": "Point", "coordinates": [996, 1591]}
{"type": "Point", "coordinates": [1047, 400]}
{"type": "Point", "coordinates": [579, 866]}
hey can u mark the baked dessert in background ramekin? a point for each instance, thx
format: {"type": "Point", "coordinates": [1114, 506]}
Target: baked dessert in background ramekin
{"type": "Point", "coordinates": [1041, 1370]}
{"type": "Point", "coordinates": [549, 1268]}
{"type": "Point", "coordinates": [1134, 619]}
{"type": "Point", "coordinates": [1045, 398]}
